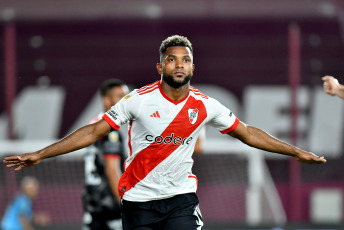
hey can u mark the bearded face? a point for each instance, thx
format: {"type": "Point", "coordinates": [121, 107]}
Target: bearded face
{"type": "Point", "coordinates": [176, 82]}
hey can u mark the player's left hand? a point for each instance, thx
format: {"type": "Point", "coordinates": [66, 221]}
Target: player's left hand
{"type": "Point", "coordinates": [310, 158]}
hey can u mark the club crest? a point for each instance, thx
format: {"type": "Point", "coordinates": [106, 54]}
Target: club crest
{"type": "Point", "coordinates": [193, 115]}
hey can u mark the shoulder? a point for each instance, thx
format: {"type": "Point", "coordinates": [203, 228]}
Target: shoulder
{"type": "Point", "coordinates": [139, 93]}
{"type": "Point", "coordinates": [22, 201]}
{"type": "Point", "coordinates": [147, 89]}
{"type": "Point", "coordinates": [208, 101]}
{"type": "Point", "coordinates": [198, 93]}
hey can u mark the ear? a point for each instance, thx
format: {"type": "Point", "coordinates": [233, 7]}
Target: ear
{"type": "Point", "coordinates": [193, 68]}
{"type": "Point", "coordinates": [159, 68]}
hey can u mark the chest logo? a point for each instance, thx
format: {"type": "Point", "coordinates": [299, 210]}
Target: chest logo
{"type": "Point", "coordinates": [193, 115]}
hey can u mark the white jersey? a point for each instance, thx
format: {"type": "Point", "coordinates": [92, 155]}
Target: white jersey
{"type": "Point", "coordinates": [162, 137]}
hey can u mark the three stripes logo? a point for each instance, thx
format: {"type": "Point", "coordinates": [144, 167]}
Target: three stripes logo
{"type": "Point", "coordinates": [156, 114]}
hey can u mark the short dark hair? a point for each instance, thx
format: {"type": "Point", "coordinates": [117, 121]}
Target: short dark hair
{"type": "Point", "coordinates": [175, 40]}
{"type": "Point", "coordinates": [109, 84]}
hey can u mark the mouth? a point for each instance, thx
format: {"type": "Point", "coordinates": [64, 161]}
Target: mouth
{"type": "Point", "coordinates": [179, 73]}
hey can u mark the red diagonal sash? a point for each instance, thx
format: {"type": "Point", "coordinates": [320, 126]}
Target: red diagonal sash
{"type": "Point", "coordinates": [155, 153]}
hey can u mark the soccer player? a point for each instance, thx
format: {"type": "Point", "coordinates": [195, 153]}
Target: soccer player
{"type": "Point", "coordinates": [19, 215]}
{"type": "Point", "coordinates": [332, 87]}
{"type": "Point", "coordinates": [158, 188]}
{"type": "Point", "coordinates": [104, 161]}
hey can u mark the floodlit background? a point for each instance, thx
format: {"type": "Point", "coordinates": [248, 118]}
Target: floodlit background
{"type": "Point", "coordinates": [263, 59]}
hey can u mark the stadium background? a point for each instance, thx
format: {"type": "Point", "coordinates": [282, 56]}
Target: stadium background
{"type": "Point", "coordinates": [237, 44]}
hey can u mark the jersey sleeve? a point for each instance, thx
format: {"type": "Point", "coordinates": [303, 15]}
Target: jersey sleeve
{"type": "Point", "coordinates": [123, 112]}
{"type": "Point", "coordinates": [222, 118]}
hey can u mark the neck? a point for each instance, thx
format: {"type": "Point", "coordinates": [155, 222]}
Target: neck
{"type": "Point", "coordinates": [175, 94]}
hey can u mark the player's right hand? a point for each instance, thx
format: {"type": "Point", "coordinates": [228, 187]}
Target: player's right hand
{"type": "Point", "coordinates": [22, 161]}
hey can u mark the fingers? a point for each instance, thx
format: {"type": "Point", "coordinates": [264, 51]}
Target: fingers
{"type": "Point", "coordinates": [15, 161]}
{"type": "Point", "coordinates": [326, 78]}
{"type": "Point", "coordinates": [330, 85]}
{"type": "Point", "coordinates": [318, 160]}
{"type": "Point", "coordinates": [322, 159]}
{"type": "Point", "coordinates": [311, 159]}
{"type": "Point", "coordinates": [330, 80]}
{"type": "Point", "coordinates": [10, 159]}
{"type": "Point", "coordinates": [13, 164]}
{"type": "Point", "coordinates": [20, 167]}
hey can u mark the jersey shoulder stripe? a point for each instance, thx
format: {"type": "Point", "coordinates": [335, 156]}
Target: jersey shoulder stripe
{"type": "Point", "coordinates": [148, 88]}
{"type": "Point", "coordinates": [148, 91]}
{"type": "Point", "coordinates": [145, 87]}
{"type": "Point", "coordinates": [197, 92]}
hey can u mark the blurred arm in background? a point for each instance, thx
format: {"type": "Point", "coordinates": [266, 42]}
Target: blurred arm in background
{"type": "Point", "coordinates": [113, 173]}
{"type": "Point", "coordinates": [332, 87]}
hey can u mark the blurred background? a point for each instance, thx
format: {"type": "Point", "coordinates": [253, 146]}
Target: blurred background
{"type": "Point", "coordinates": [263, 59]}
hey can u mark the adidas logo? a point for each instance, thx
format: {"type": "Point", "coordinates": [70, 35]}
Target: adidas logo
{"type": "Point", "coordinates": [156, 114]}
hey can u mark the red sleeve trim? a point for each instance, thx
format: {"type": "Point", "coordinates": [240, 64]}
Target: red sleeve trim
{"type": "Point", "coordinates": [112, 156]}
{"type": "Point", "coordinates": [108, 120]}
{"type": "Point", "coordinates": [193, 176]}
{"type": "Point", "coordinates": [235, 124]}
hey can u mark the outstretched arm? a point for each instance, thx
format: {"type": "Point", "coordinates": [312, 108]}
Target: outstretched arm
{"type": "Point", "coordinates": [259, 139]}
{"type": "Point", "coordinates": [81, 138]}
{"type": "Point", "coordinates": [332, 87]}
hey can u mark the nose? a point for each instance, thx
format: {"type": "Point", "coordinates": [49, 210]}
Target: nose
{"type": "Point", "coordinates": [179, 64]}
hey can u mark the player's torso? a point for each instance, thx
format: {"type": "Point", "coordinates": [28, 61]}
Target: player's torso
{"type": "Point", "coordinates": [162, 139]}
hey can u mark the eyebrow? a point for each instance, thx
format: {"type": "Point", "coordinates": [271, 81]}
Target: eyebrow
{"type": "Point", "coordinates": [172, 55]}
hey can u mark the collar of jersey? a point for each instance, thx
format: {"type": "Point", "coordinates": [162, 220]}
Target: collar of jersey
{"type": "Point", "coordinates": [167, 98]}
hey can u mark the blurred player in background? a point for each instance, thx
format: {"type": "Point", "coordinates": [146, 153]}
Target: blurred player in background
{"type": "Point", "coordinates": [165, 118]}
{"type": "Point", "coordinates": [103, 167]}
{"type": "Point", "coordinates": [332, 87]}
{"type": "Point", "coordinates": [19, 214]}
